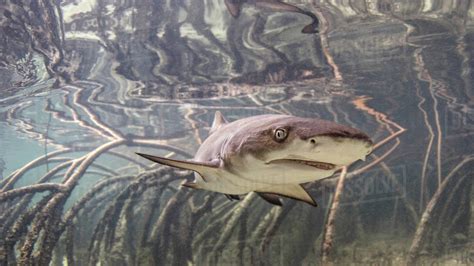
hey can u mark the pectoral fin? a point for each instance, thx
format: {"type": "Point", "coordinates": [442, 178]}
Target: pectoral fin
{"type": "Point", "coordinates": [271, 198]}
{"type": "Point", "coordinates": [296, 192]}
{"type": "Point", "coordinates": [219, 121]}
{"type": "Point", "coordinates": [200, 167]}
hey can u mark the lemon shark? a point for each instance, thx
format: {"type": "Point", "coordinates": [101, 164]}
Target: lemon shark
{"type": "Point", "coordinates": [271, 155]}
{"type": "Point", "coordinates": [235, 6]}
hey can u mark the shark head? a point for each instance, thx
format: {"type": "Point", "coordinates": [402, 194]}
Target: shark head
{"type": "Point", "coordinates": [322, 144]}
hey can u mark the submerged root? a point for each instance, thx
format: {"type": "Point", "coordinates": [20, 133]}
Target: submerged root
{"type": "Point", "coordinates": [31, 189]}
{"type": "Point", "coordinates": [231, 224]}
{"type": "Point", "coordinates": [426, 220]}
{"type": "Point", "coordinates": [274, 225]}
{"type": "Point", "coordinates": [19, 229]}
{"type": "Point", "coordinates": [330, 224]}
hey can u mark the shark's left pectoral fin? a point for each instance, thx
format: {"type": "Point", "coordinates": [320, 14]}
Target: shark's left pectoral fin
{"type": "Point", "coordinates": [200, 167]}
{"type": "Point", "coordinates": [295, 191]}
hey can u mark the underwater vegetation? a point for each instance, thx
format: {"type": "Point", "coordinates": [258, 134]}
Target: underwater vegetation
{"type": "Point", "coordinates": [86, 84]}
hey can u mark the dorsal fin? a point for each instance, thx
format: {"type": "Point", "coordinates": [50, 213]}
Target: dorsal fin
{"type": "Point", "coordinates": [219, 120]}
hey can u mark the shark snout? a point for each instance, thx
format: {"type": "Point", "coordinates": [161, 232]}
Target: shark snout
{"type": "Point", "coordinates": [337, 150]}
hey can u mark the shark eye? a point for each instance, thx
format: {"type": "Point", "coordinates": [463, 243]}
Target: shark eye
{"type": "Point", "coordinates": [280, 134]}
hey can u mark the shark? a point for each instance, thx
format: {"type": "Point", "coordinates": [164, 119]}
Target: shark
{"type": "Point", "coordinates": [272, 155]}
{"type": "Point", "coordinates": [235, 6]}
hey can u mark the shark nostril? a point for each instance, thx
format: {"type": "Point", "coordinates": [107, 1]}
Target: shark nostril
{"type": "Point", "coordinates": [313, 141]}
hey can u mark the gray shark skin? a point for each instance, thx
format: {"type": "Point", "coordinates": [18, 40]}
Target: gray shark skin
{"type": "Point", "coordinates": [271, 155]}
{"type": "Point", "coordinates": [235, 6]}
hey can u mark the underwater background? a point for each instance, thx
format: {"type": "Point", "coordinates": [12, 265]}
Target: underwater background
{"type": "Point", "coordinates": [86, 84]}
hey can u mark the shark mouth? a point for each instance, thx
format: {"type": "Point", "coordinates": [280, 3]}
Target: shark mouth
{"type": "Point", "coordinates": [316, 164]}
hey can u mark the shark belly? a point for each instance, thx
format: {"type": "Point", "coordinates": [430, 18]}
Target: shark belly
{"type": "Point", "coordinates": [267, 174]}
{"type": "Point", "coordinates": [281, 175]}
{"type": "Point", "coordinates": [228, 183]}
{"type": "Point", "coordinates": [250, 174]}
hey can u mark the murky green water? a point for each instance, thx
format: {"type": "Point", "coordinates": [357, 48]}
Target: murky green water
{"type": "Point", "coordinates": [86, 84]}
